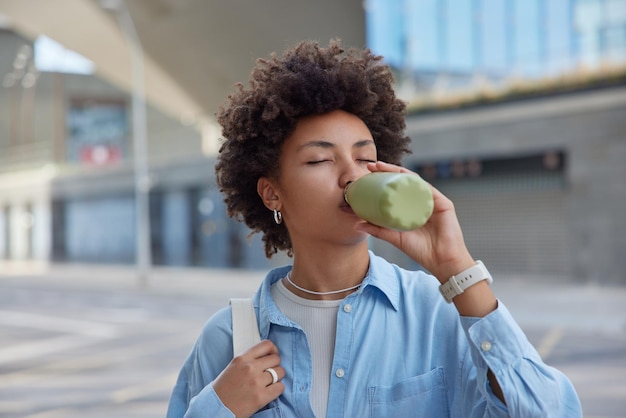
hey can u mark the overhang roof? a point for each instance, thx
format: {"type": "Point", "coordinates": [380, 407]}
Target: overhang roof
{"type": "Point", "coordinates": [195, 50]}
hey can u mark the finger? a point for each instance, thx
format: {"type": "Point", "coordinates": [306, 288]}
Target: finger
{"type": "Point", "coordinates": [388, 167]}
{"type": "Point", "coordinates": [273, 375]}
{"type": "Point", "coordinates": [379, 232]}
{"type": "Point", "coordinates": [262, 349]}
{"type": "Point", "coordinates": [442, 202]}
{"type": "Point", "coordinates": [271, 360]}
{"type": "Point", "coordinates": [275, 390]}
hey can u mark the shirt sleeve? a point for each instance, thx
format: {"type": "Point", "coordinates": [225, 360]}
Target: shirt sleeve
{"type": "Point", "coordinates": [530, 387]}
{"type": "Point", "coordinates": [205, 404]}
{"type": "Point", "coordinates": [193, 395]}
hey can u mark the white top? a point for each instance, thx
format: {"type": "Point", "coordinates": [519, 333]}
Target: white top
{"type": "Point", "coordinates": [318, 319]}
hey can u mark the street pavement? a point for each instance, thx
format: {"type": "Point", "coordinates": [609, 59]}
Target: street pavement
{"type": "Point", "coordinates": [81, 340]}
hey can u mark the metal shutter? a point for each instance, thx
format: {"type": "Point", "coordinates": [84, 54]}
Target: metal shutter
{"type": "Point", "coordinates": [516, 224]}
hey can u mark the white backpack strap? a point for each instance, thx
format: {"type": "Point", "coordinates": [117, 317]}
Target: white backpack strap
{"type": "Point", "coordinates": [245, 327]}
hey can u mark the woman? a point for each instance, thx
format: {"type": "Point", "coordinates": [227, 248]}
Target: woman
{"type": "Point", "coordinates": [345, 333]}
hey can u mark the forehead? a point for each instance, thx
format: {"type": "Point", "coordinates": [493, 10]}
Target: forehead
{"type": "Point", "coordinates": [335, 127]}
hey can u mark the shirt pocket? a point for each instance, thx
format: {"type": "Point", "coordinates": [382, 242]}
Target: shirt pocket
{"type": "Point", "coordinates": [420, 396]}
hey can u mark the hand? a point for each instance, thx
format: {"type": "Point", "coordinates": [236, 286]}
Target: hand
{"type": "Point", "coordinates": [244, 386]}
{"type": "Point", "coordinates": [438, 245]}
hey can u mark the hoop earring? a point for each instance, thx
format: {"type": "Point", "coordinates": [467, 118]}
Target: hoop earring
{"type": "Point", "coordinates": [278, 217]}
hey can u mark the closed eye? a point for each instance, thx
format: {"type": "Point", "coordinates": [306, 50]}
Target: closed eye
{"type": "Point", "coordinates": [316, 162]}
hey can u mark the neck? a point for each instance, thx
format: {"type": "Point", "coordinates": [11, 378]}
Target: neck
{"type": "Point", "coordinates": [328, 275]}
{"type": "Point", "coordinates": [326, 293]}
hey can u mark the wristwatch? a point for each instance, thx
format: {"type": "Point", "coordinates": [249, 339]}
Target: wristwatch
{"type": "Point", "coordinates": [458, 283]}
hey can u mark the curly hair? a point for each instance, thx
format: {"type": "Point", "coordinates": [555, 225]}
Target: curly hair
{"type": "Point", "coordinates": [306, 80]}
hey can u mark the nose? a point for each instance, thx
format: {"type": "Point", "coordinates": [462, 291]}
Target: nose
{"type": "Point", "coordinates": [352, 172]}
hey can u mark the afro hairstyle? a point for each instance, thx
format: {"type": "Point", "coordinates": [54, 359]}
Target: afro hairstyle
{"type": "Point", "coordinates": [306, 80]}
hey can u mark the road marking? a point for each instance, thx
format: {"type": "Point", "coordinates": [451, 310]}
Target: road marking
{"type": "Point", "coordinates": [50, 323]}
{"type": "Point", "coordinates": [164, 383]}
{"type": "Point", "coordinates": [81, 332]}
{"type": "Point", "coordinates": [54, 413]}
{"type": "Point", "coordinates": [50, 371]}
{"type": "Point", "coordinates": [547, 344]}
{"type": "Point", "coordinates": [96, 359]}
{"type": "Point", "coordinates": [41, 347]}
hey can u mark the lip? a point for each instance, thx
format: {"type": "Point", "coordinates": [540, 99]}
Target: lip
{"type": "Point", "coordinates": [346, 208]}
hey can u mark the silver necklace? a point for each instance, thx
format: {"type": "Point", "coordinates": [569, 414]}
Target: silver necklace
{"type": "Point", "coordinates": [311, 292]}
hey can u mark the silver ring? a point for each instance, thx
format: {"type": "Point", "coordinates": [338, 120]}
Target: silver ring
{"type": "Point", "coordinates": [274, 375]}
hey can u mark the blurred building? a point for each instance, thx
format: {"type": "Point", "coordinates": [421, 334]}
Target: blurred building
{"type": "Point", "coordinates": [524, 133]}
{"type": "Point", "coordinates": [517, 115]}
{"type": "Point", "coordinates": [538, 183]}
{"type": "Point", "coordinates": [67, 181]}
{"type": "Point", "coordinates": [452, 45]}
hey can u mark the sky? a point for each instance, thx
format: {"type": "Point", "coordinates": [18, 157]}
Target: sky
{"type": "Point", "coordinates": [52, 56]}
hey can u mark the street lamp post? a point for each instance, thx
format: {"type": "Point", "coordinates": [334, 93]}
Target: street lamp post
{"type": "Point", "coordinates": [140, 143]}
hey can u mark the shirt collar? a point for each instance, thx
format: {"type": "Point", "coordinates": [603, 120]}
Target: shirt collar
{"type": "Point", "coordinates": [381, 274]}
{"type": "Point", "coordinates": [385, 277]}
{"type": "Point", "coordinates": [268, 311]}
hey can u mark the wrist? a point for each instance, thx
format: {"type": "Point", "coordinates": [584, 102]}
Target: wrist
{"type": "Point", "coordinates": [470, 291]}
{"type": "Point", "coordinates": [452, 268]}
{"type": "Point", "coordinates": [477, 301]}
{"type": "Point", "coordinates": [458, 283]}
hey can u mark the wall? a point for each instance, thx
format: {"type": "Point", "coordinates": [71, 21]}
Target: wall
{"type": "Point", "coordinates": [590, 129]}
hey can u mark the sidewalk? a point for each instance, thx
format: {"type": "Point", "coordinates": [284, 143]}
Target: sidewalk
{"type": "Point", "coordinates": [534, 303]}
{"type": "Point", "coordinates": [175, 281]}
{"type": "Point", "coordinates": [569, 306]}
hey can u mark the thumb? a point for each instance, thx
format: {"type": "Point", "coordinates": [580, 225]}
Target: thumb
{"type": "Point", "coordinates": [385, 234]}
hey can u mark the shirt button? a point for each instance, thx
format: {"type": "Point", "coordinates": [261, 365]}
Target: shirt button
{"type": "Point", "coordinates": [486, 346]}
{"type": "Point", "coordinates": [340, 373]}
{"type": "Point", "coordinates": [347, 308]}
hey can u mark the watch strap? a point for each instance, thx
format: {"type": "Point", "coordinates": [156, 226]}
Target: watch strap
{"type": "Point", "coordinates": [459, 282]}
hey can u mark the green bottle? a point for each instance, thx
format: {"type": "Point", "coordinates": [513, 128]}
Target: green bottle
{"type": "Point", "coordinates": [401, 201]}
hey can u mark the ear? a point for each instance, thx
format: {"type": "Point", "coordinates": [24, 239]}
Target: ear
{"type": "Point", "coordinates": [266, 189]}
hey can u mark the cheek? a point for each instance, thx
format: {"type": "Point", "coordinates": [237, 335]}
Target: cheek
{"type": "Point", "coordinates": [305, 195]}
{"type": "Point", "coordinates": [307, 179]}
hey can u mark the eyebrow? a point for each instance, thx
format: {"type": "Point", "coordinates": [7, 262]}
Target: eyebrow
{"type": "Point", "coordinates": [326, 144]}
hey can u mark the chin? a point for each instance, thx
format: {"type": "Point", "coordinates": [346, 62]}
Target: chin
{"type": "Point", "coordinates": [358, 237]}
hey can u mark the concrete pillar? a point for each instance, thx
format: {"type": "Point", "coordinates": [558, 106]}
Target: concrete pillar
{"type": "Point", "coordinates": [4, 245]}
{"type": "Point", "coordinates": [20, 225]}
{"type": "Point", "coordinates": [42, 228]}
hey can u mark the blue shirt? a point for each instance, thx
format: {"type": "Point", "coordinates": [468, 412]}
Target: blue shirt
{"type": "Point", "coordinates": [401, 351]}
